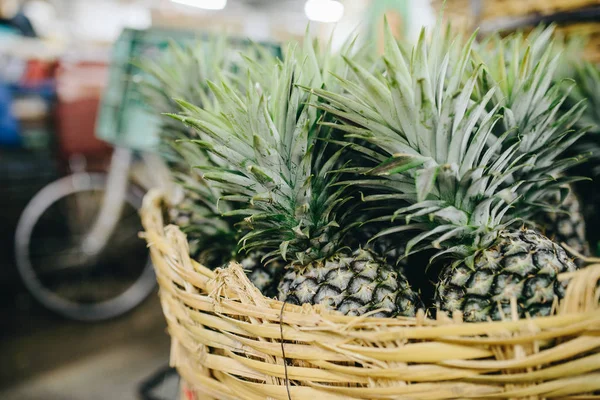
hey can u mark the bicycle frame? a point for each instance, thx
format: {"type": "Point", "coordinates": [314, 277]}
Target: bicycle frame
{"type": "Point", "coordinates": [114, 195]}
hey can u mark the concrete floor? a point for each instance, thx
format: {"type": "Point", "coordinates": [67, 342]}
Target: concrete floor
{"type": "Point", "coordinates": [49, 358]}
{"type": "Point", "coordinates": [114, 373]}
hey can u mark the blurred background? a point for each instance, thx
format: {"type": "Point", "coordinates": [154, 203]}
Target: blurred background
{"type": "Point", "coordinates": [65, 94]}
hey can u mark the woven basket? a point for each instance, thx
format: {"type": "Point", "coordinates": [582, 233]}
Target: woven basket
{"type": "Point", "coordinates": [589, 30]}
{"type": "Point", "coordinates": [492, 9]}
{"type": "Point", "coordinates": [230, 342]}
{"type": "Point", "coordinates": [515, 8]}
{"type": "Point", "coordinates": [508, 15]}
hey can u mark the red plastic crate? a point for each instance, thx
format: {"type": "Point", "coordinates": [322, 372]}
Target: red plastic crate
{"type": "Point", "coordinates": [79, 87]}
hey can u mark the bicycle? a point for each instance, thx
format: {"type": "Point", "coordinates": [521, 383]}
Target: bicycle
{"type": "Point", "coordinates": [74, 242]}
{"type": "Point", "coordinates": [64, 280]}
{"type": "Point", "coordinates": [112, 199]}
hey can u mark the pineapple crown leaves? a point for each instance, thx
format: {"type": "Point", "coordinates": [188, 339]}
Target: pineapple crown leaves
{"type": "Point", "coordinates": [256, 62]}
{"type": "Point", "coordinates": [525, 71]}
{"type": "Point", "coordinates": [587, 88]}
{"type": "Point", "coordinates": [182, 71]}
{"type": "Point", "coordinates": [433, 142]}
{"type": "Point", "coordinates": [274, 166]}
{"type": "Point", "coordinates": [573, 66]}
{"type": "Point", "coordinates": [533, 108]}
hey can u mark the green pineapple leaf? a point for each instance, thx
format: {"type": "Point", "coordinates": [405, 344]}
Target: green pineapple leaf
{"type": "Point", "coordinates": [278, 162]}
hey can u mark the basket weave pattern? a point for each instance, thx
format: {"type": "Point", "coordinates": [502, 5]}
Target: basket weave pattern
{"type": "Point", "coordinates": [461, 14]}
{"type": "Point", "coordinates": [491, 9]}
{"type": "Point", "coordinates": [230, 342]}
{"type": "Point", "coordinates": [591, 32]}
{"type": "Point", "coordinates": [516, 8]}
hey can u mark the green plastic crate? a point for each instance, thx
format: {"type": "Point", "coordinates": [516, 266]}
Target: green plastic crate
{"type": "Point", "coordinates": [123, 119]}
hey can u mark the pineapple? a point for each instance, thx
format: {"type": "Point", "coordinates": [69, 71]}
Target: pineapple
{"type": "Point", "coordinates": [265, 276]}
{"type": "Point", "coordinates": [183, 72]}
{"type": "Point", "coordinates": [523, 69]}
{"type": "Point", "coordinates": [444, 175]}
{"type": "Point", "coordinates": [573, 67]}
{"type": "Point", "coordinates": [566, 224]}
{"type": "Point", "coordinates": [352, 283]}
{"type": "Point", "coordinates": [587, 78]}
{"type": "Point", "coordinates": [520, 264]}
{"type": "Point", "coordinates": [283, 178]}
{"type": "Point", "coordinates": [587, 88]}
{"type": "Point", "coordinates": [387, 246]}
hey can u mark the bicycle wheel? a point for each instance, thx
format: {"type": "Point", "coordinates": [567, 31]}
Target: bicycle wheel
{"type": "Point", "coordinates": [57, 271]}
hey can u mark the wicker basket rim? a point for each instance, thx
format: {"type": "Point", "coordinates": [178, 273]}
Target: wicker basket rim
{"type": "Point", "coordinates": [230, 342]}
{"type": "Point", "coordinates": [220, 282]}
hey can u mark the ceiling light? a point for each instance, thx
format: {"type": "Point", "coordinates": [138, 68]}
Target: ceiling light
{"type": "Point", "coordinates": [324, 10]}
{"type": "Point", "coordinates": [205, 4]}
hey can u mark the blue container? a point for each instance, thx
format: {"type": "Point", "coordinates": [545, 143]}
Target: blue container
{"type": "Point", "coordinates": [9, 126]}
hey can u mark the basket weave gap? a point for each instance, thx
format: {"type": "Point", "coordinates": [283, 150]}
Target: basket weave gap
{"type": "Point", "coordinates": [568, 349]}
{"type": "Point", "coordinates": [542, 337]}
{"type": "Point", "coordinates": [575, 367]}
{"type": "Point", "coordinates": [415, 373]}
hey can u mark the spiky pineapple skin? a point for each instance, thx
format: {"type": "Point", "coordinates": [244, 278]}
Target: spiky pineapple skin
{"type": "Point", "coordinates": [265, 277]}
{"type": "Point", "coordinates": [392, 250]}
{"type": "Point", "coordinates": [520, 264]}
{"type": "Point", "coordinates": [567, 225]}
{"type": "Point", "coordinates": [183, 219]}
{"type": "Point", "coordinates": [352, 284]}
{"type": "Point", "coordinates": [182, 214]}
